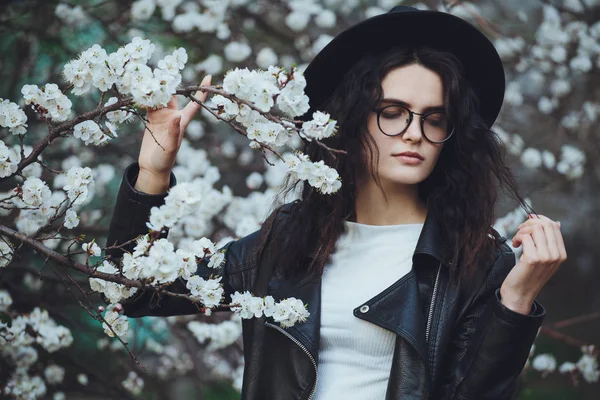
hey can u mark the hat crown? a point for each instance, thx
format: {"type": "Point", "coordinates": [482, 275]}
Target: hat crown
{"type": "Point", "coordinates": [403, 9]}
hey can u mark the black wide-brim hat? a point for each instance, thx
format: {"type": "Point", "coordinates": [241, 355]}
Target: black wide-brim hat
{"type": "Point", "coordinates": [404, 25]}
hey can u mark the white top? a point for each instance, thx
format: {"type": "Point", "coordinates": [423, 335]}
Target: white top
{"type": "Point", "coordinates": [355, 356]}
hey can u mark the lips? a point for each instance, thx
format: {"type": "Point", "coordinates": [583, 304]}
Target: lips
{"type": "Point", "coordinates": [409, 154]}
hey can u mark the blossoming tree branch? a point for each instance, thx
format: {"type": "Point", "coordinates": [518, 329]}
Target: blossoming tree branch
{"type": "Point", "coordinates": [245, 102]}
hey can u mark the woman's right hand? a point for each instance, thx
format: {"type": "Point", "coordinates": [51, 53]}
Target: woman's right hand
{"type": "Point", "coordinates": [162, 140]}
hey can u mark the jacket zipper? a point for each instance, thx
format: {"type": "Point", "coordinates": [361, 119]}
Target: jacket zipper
{"type": "Point", "coordinates": [432, 305]}
{"type": "Point", "coordinates": [293, 339]}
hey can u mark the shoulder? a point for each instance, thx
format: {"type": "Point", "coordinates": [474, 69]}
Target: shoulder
{"type": "Point", "coordinates": [504, 261]}
{"type": "Point", "coordinates": [243, 253]}
{"type": "Point", "coordinates": [492, 268]}
{"type": "Point", "coordinates": [500, 264]}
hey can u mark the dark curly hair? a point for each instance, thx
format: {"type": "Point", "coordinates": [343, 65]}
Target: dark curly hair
{"type": "Point", "coordinates": [461, 190]}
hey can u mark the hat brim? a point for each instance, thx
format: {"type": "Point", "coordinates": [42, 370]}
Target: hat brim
{"type": "Point", "coordinates": [438, 30]}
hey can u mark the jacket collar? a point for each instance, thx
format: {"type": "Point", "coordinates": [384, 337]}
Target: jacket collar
{"type": "Point", "coordinates": [394, 311]}
{"type": "Point", "coordinates": [430, 242]}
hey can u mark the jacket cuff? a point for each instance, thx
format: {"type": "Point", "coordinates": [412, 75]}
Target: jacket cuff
{"type": "Point", "coordinates": [130, 177]}
{"type": "Point", "coordinates": [535, 316]}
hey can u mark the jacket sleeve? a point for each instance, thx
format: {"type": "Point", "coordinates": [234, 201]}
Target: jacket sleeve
{"type": "Point", "coordinates": [130, 215]}
{"type": "Point", "coordinates": [492, 342]}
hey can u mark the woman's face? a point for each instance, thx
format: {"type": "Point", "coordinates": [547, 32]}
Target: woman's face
{"type": "Point", "coordinates": [420, 90]}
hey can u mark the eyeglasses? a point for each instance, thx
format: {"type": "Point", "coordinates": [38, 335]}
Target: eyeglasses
{"type": "Point", "coordinates": [394, 120]}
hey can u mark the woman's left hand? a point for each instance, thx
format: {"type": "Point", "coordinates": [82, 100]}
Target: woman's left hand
{"type": "Point", "coordinates": [543, 252]}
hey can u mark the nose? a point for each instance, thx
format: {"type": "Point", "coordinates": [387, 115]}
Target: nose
{"type": "Point", "coordinates": [413, 132]}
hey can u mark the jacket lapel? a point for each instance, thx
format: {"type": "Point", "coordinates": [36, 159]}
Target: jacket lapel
{"type": "Point", "coordinates": [309, 291]}
{"type": "Point", "coordinates": [397, 309]}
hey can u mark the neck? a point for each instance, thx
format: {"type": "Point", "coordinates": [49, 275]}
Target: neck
{"type": "Point", "coordinates": [399, 205]}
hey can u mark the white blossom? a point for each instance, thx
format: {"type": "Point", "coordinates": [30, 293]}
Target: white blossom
{"type": "Point", "coordinates": [320, 127]}
{"type": "Point", "coordinates": [6, 251]}
{"type": "Point", "coordinates": [216, 260]}
{"type": "Point", "coordinates": [213, 64]}
{"type": "Point", "coordinates": [581, 63]}
{"type": "Point", "coordinates": [195, 130]}
{"type": "Point", "coordinates": [133, 383]}
{"type": "Point", "coordinates": [588, 364]}
{"type": "Point", "coordinates": [12, 117]}
{"type": "Point", "coordinates": [254, 180]}
{"type": "Point", "coordinates": [322, 41]}
{"type": "Point", "coordinates": [82, 379]}
{"type": "Point", "coordinates": [266, 57]}
{"type": "Point", "coordinates": [320, 176]}
{"type": "Point", "coordinates": [9, 160]}
{"type": "Point", "coordinates": [567, 367]}
{"type": "Point", "coordinates": [118, 116]}
{"type": "Point", "coordinates": [297, 20]}
{"type": "Point", "coordinates": [290, 311]}
{"type": "Point", "coordinates": [58, 396]}
{"type": "Point", "coordinates": [220, 335]}
{"type": "Point", "coordinates": [89, 132]}
{"type": "Point", "coordinates": [118, 323]}
{"type": "Point", "coordinates": [23, 386]}
{"type": "Point", "coordinates": [35, 192]}
{"type": "Point", "coordinates": [5, 300]}
{"type": "Point", "coordinates": [548, 159]}
{"type": "Point", "coordinates": [508, 47]}
{"type": "Point", "coordinates": [79, 181]}
{"type": "Point", "coordinates": [113, 291]}
{"type": "Point", "coordinates": [571, 162]}
{"type": "Point", "coordinates": [292, 100]}
{"type": "Point", "coordinates": [513, 95]}
{"type": "Point", "coordinates": [237, 51]}
{"type": "Point", "coordinates": [54, 374]}
{"type": "Point", "coordinates": [208, 291]}
{"type": "Point", "coordinates": [54, 104]}
{"type": "Point", "coordinates": [326, 19]}
{"type": "Point", "coordinates": [546, 105]}
{"type": "Point", "coordinates": [560, 87]}
{"type": "Point", "coordinates": [74, 16]}
{"type": "Point", "coordinates": [248, 305]}
{"type": "Point", "coordinates": [544, 363]}
{"type": "Point", "coordinates": [91, 248]}
{"type": "Point", "coordinates": [142, 10]}
{"type": "Point", "coordinates": [531, 158]}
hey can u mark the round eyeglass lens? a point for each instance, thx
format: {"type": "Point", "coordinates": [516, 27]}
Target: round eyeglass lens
{"type": "Point", "coordinates": [394, 120]}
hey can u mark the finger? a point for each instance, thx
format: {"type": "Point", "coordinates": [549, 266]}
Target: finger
{"type": "Point", "coordinates": [542, 231]}
{"type": "Point", "coordinates": [530, 222]}
{"type": "Point", "coordinates": [174, 129]}
{"type": "Point", "coordinates": [549, 230]}
{"type": "Point", "coordinates": [517, 240]}
{"type": "Point", "coordinates": [560, 243]}
{"type": "Point", "coordinates": [192, 107]}
{"type": "Point", "coordinates": [529, 249]}
{"type": "Point", "coordinates": [555, 240]}
{"type": "Point", "coordinates": [541, 243]}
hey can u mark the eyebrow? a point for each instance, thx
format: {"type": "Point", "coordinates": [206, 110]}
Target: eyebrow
{"type": "Point", "coordinates": [405, 104]}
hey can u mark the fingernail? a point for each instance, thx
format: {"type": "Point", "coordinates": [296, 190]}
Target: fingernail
{"type": "Point", "coordinates": [558, 223]}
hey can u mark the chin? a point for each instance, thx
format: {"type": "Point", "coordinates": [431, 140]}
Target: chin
{"type": "Point", "coordinates": [403, 178]}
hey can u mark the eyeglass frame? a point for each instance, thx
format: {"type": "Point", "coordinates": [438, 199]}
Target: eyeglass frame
{"type": "Point", "coordinates": [411, 114]}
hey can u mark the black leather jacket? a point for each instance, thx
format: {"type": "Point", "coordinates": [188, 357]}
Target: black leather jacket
{"type": "Point", "coordinates": [452, 342]}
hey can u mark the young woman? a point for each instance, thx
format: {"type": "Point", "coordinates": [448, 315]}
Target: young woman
{"type": "Point", "coordinates": [411, 293]}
